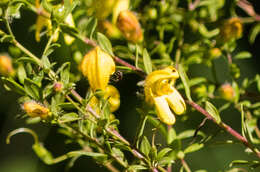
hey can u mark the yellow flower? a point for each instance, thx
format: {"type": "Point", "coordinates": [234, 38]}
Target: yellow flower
{"type": "Point", "coordinates": [6, 67]}
{"type": "Point", "coordinates": [41, 22]}
{"type": "Point", "coordinates": [97, 66]}
{"type": "Point", "coordinates": [159, 91]}
{"type": "Point", "coordinates": [231, 29]}
{"type": "Point", "coordinates": [34, 109]}
{"type": "Point", "coordinates": [130, 27]}
{"type": "Point", "coordinates": [112, 95]}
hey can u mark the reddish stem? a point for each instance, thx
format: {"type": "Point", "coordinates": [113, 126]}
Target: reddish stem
{"type": "Point", "coordinates": [226, 127]}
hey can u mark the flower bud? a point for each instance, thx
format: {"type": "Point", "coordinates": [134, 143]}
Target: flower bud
{"type": "Point", "coordinates": [227, 92]}
{"type": "Point", "coordinates": [6, 67]}
{"type": "Point", "coordinates": [34, 109]}
{"type": "Point", "coordinates": [109, 29]}
{"type": "Point", "coordinates": [97, 66]}
{"type": "Point", "coordinates": [120, 5]}
{"type": "Point", "coordinates": [103, 8]}
{"type": "Point", "coordinates": [129, 25]}
{"type": "Point", "coordinates": [214, 53]}
{"type": "Point", "coordinates": [58, 86]}
{"type": "Point", "coordinates": [113, 96]}
{"type": "Point", "coordinates": [231, 29]}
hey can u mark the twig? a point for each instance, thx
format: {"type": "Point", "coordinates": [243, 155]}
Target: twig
{"type": "Point", "coordinates": [226, 127]}
{"type": "Point", "coordinates": [185, 165]}
{"type": "Point", "coordinates": [249, 9]}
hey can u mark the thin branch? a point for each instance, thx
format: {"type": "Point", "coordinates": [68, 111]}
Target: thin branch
{"type": "Point", "coordinates": [226, 127]}
{"type": "Point", "coordinates": [249, 9]}
{"type": "Point", "coordinates": [185, 165]}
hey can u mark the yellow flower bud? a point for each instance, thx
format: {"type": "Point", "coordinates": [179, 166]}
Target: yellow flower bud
{"type": "Point", "coordinates": [112, 95]}
{"type": "Point", "coordinates": [121, 5]}
{"type": "Point", "coordinates": [103, 8]}
{"type": "Point", "coordinates": [231, 29]}
{"type": "Point", "coordinates": [58, 86]}
{"type": "Point", "coordinates": [129, 25]}
{"type": "Point", "coordinates": [97, 66]}
{"type": "Point", "coordinates": [214, 53]}
{"type": "Point", "coordinates": [159, 90]}
{"type": "Point", "coordinates": [109, 29]}
{"type": "Point", "coordinates": [227, 92]}
{"type": "Point", "coordinates": [34, 109]}
{"type": "Point", "coordinates": [6, 67]}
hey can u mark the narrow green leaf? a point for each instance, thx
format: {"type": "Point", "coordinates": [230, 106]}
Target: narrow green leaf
{"type": "Point", "coordinates": [21, 73]}
{"type": "Point", "coordinates": [42, 153]}
{"type": "Point", "coordinates": [171, 135]}
{"type": "Point", "coordinates": [14, 10]}
{"type": "Point", "coordinates": [243, 55]}
{"type": "Point", "coordinates": [104, 43]}
{"type": "Point", "coordinates": [69, 117]}
{"type": "Point", "coordinates": [31, 89]}
{"type": "Point", "coordinates": [212, 110]}
{"type": "Point", "coordinates": [254, 32]}
{"type": "Point", "coordinates": [147, 62]}
{"type": "Point", "coordinates": [91, 27]}
{"type": "Point", "coordinates": [12, 85]}
{"type": "Point", "coordinates": [145, 146]}
{"type": "Point", "coordinates": [185, 81]}
{"type": "Point", "coordinates": [46, 63]}
{"type": "Point", "coordinates": [91, 154]}
{"type": "Point", "coordinates": [65, 74]}
{"type": "Point", "coordinates": [162, 153]}
{"type": "Point", "coordinates": [26, 59]}
{"type": "Point", "coordinates": [136, 167]}
{"type": "Point", "coordinates": [193, 148]}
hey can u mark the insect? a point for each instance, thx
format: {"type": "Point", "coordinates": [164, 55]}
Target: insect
{"type": "Point", "coordinates": [117, 76]}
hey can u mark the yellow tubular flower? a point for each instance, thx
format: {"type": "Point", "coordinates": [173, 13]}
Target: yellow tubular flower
{"type": "Point", "coordinates": [130, 27]}
{"type": "Point", "coordinates": [6, 67]}
{"type": "Point", "coordinates": [97, 66]}
{"type": "Point", "coordinates": [159, 91]}
{"type": "Point", "coordinates": [34, 109]}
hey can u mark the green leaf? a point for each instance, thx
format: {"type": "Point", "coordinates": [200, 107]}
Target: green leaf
{"type": "Point", "coordinates": [46, 63]}
{"type": "Point", "coordinates": [14, 10]}
{"type": "Point", "coordinates": [189, 133]}
{"type": "Point", "coordinates": [252, 164]}
{"type": "Point", "coordinates": [194, 147]}
{"type": "Point", "coordinates": [91, 154]}
{"type": "Point", "coordinates": [145, 146]}
{"type": "Point", "coordinates": [65, 74]}
{"type": "Point", "coordinates": [104, 43]}
{"type": "Point", "coordinates": [243, 55]}
{"type": "Point", "coordinates": [72, 31]}
{"type": "Point", "coordinates": [66, 106]}
{"type": "Point", "coordinates": [31, 89]}
{"type": "Point", "coordinates": [254, 32]}
{"type": "Point", "coordinates": [6, 38]}
{"type": "Point", "coordinates": [136, 167]}
{"type": "Point", "coordinates": [91, 27]}
{"type": "Point", "coordinates": [162, 153]}
{"type": "Point", "coordinates": [42, 153]}
{"type": "Point", "coordinates": [147, 62]}
{"type": "Point", "coordinates": [12, 85]}
{"type": "Point", "coordinates": [171, 135]}
{"type": "Point", "coordinates": [185, 81]}
{"type": "Point", "coordinates": [69, 117]}
{"type": "Point", "coordinates": [51, 48]}
{"type": "Point", "coordinates": [26, 59]}
{"type": "Point", "coordinates": [21, 73]}
{"type": "Point", "coordinates": [212, 110]}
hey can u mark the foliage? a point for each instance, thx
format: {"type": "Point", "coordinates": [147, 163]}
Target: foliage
{"type": "Point", "coordinates": [160, 41]}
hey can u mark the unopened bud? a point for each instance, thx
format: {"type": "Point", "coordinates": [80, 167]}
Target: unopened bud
{"type": "Point", "coordinates": [34, 109]}
{"type": "Point", "coordinates": [214, 53]}
{"type": "Point", "coordinates": [129, 25]}
{"type": "Point", "coordinates": [58, 86]}
{"type": "Point", "coordinates": [227, 92]}
{"type": "Point", "coordinates": [6, 67]}
{"type": "Point", "coordinates": [109, 29]}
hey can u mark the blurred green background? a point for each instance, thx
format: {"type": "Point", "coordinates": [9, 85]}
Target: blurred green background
{"type": "Point", "coordinates": [19, 157]}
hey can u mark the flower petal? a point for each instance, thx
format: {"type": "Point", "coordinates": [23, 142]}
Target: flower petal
{"type": "Point", "coordinates": [163, 111]}
{"type": "Point", "coordinates": [176, 102]}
